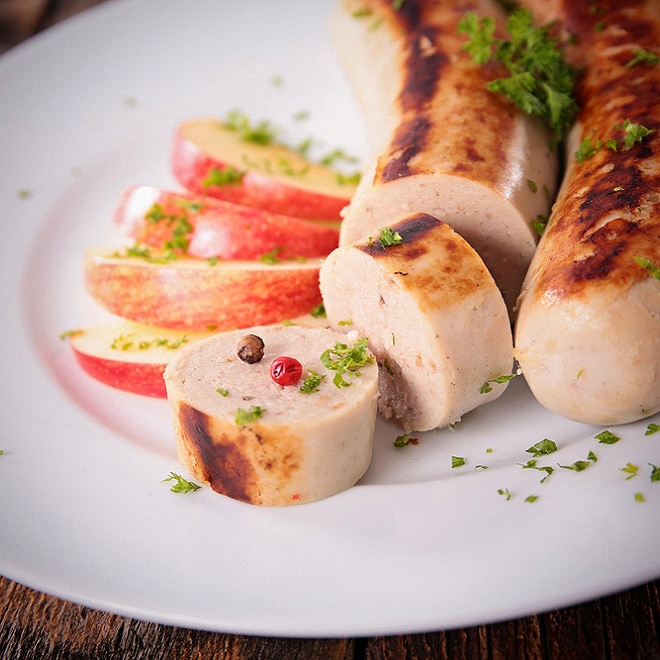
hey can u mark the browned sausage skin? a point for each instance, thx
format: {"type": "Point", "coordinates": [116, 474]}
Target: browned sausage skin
{"type": "Point", "coordinates": [588, 328]}
{"type": "Point", "coordinates": [441, 142]}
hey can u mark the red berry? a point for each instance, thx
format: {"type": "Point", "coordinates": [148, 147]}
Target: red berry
{"type": "Point", "coordinates": [286, 370]}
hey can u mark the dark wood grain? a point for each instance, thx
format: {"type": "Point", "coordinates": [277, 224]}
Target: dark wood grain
{"type": "Point", "coordinates": [35, 625]}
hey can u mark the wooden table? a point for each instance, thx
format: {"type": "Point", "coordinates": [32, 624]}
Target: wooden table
{"type": "Point", "coordinates": [35, 625]}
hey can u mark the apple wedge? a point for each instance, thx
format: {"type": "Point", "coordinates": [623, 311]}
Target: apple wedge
{"type": "Point", "coordinates": [203, 227]}
{"type": "Point", "coordinates": [196, 295]}
{"type": "Point", "coordinates": [129, 356]}
{"type": "Point", "coordinates": [210, 158]}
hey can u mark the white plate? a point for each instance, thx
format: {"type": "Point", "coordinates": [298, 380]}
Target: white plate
{"type": "Point", "coordinates": [88, 108]}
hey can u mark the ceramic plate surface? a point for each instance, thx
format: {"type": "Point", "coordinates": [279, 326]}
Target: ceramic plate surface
{"type": "Point", "coordinates": [88, 108]}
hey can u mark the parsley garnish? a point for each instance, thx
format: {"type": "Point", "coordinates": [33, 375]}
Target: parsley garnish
{"type": "Point", "coordinates": [457, 461]}
{"type": "Point", "coordinates": [389, 237]}
{"type": "Point", "coordinates": [652, 428]}
{"type": "Point", "coordinates": [648, 265]}
{"type": "Point", "coordinates": [225, 176]}
{"type": "Point", "coordinates": [271, 258]}
{"type": "Point", "coordinates": [639, 497]}
{"type": "Point", "coordinates": [318, 311]}
{"type": "Point", "coordinates": [222, 391]}
{"type": "Point", "coordinates": [246, 416]}
{"type": "Point", "coordinates": [607, 437]}
{"type": "Point", "coordinates": [642, 56]}
{"type": "Point", "coordinates": [539, 223]}
{"type": "Point", "coordinates": [181, 485]}
{"type": "Point", "coordinates": [578, 466]}
{"type": "Point", "coordinates": [531, 498]}
{"type": "Point", "coordinates": [630, 469]}
{"type": "Point", "coordinates": [261, 133]}
{"type": "Point", "coordinates": [655, 472]}
{"type": "Point", "coordinates": [542, 448]}
{"type": "Point", "coordinates": [531, 464]}
{"type": "Point", "coordinates": [505, 492]}
{"type": "Point", "coordinates": [633, 133]}
{"type": "Point", "coordinates": [312, 382]}
{"type": "Point", "coordinates": [346, 359]}
{"type": "Point", "coordinates": [401, 440]}
{"type": "Point", "coordinates": [541, 82]}
{"type": "Point", "coordinates": [504, 378]}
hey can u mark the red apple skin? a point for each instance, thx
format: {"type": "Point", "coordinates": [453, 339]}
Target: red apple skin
{"type": "Point", "coordinates": [135, 377]}
{"type": "Point", "coordinates": [191, 166]}
{"type": "Point", "coordinates": [220, 228]}
{"type": "Point", "coordinates": [188, 294]}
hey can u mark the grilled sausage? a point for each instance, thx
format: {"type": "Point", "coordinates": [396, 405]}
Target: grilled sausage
{"type": "Point", "coordinates": [435, 319]}
{"type": "Point", "coordinates": [303, 446]}
{"type": "Point", "coordinates": [442, 143]}
{"type": "Point", "coordinates": [588, 326]}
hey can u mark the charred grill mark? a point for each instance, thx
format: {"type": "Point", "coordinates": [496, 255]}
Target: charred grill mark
{"type": "Point", "coordinates": [413, 231]}
{"type": "Point", "coordinates": [225, 467]}
{"type": "Point", "coordinates": [423, 68]}
{"type": "Point", "coordinates": [410, 138]}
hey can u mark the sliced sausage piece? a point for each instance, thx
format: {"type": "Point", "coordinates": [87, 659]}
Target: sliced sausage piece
{"type": "Point", "coordinates": [442, 143]}
{"type": "Point", "coordinates": [264, 443]}
{"type": "Point", "coordinates": [435, 319]}
{"type": "Point", "coordinates": [588, 327]}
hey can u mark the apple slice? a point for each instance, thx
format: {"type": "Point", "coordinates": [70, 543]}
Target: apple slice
{"type": "Point", "coordinates": [201, 226]}
{"type": "Point", "coordinates": [210, 158]}
{"type": "Point", "coordinates": [196, 295]}
{"type": "Point", "coordinates": [129, 356]}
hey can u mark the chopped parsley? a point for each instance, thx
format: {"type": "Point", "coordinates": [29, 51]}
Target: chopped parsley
{"type": "Point", "coordinates": [607, 437]}
{"type": "Point", "coordinates": [246, 416]}
{"type": "Point", "coordinates": [578, 466]}
{"type": "Point", "coordinates": [505, 492]}
{"type": "Point", "coordinates": [401, 440]}
{"type": "Point", "coordinates": [388, 237]}
{"type": "Point", "coordinates": [588, 148]}
{"type": "Point", "coordinates": [655, 472]}
{"type": "Point", "coordinates": [504, 378]}
{"type": "Point", "coordinates": [312, 382]}
{"type": "Point", "coordinates": [222, 391]}
{"type": "Point", "coordinates": [126, 342]}
{"type": "Point", "coordinates": [539, 223]}
{"type": "Point", "coordinates": [180, 484]}
{"type": "Point", "coordinates": [531, 498]}
{"type": "Point", "coordinates": [532, 465]}
{"type": "Point", "coordinates": [648, 265]}
{"type": "Point", "coordinates": [652, 428]}
{"type": "Point", "coordinates": [262, 132]}
{"type": "Point", "coordinates": [346, 359]}
{"type": "Point", "coordinates": [631, 470]}
{"type": "Point", "coordinates": [540, 81]}
{"type": "Point", "coordinates": [457, 461]}
{"type": "Point", "coordinates": [642, 56]}
{"type": "Point", "coordinates": [633, 133]}
{"type": "Point", "coordinates": [223, 176]}
{"type": "Point", "coordinates": [639, 497]}
{"type": "Point", "coordinates": [318, 311]}
{"type": "Point", "coordinates": [271, 258]}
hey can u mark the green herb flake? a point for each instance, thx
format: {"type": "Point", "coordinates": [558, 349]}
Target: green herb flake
{"type": "Point", "coordinates": [180, 484]}
{"type": "Point", "coordinates": [642, 56]}
{"type": "Point", "coordinates": [539, 223]}
{"type": "Point", "coordinates": [542, 448]}
{"type": "Point", "coordinates": [652, 428]}
{"type": "Point", "coordinates": [505, 492]}
{"type": "Point", "coordinates": [592, 457]}
{"type": "Point", "coordinates": [655, 472]}
{"type": "Point", "coordinates": [587, 149]}
{"type": "Point", "coordinates": [318, 311]}
{"type": "Point", "coordinates": [639, 497]}
{"type": "Point", "coordinates": [262, 132]}
{"type": "Point", "coordinates": [250, 415]}
{"type": "Point", "coordinates": [633, 133]}
{"type": "Point", "coordinates": [607, 437]}
{"type": "Point", "coordinates": [388, 237]}
{"type": "Point", "coordinates": [402, 440]}
{"type": "Point", "coordinates": [578, 466]}
{"type": "Point", "coordinates": [311, 382]}
{"type": "Point", "coordinates": [271, 258]}
{"type": "Point", "coordinates": [631, 470]}
{"type": "Point", "coordinates": [532, 185]}
{"type": "Point", "coordinates": [532, 464]}
{"type": "Point", "coordinates": [504, 378]}
{"type": "Point", "coordinates": [346, 359]}
{"type": "Point", "coordinates": [540, 81]}
{"type": "Point", "coordinates": [223, 176]}
{"type": "Point", "coordinates": [648, 265]}
{"type": "Point", "coordinates": [222, 391]}
{"type": "Point", "coordinates": [457, 461]}
{"type": "Point", "coordinates": [531, 498]}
